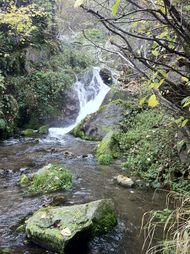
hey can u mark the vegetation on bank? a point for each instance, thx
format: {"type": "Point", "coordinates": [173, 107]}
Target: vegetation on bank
{"type": "Point", "coordinates": [173, 222]}
{"type": "Point", "coordinates": [36, 69]}
{"type": "Point", "coordinates": [147, 144]}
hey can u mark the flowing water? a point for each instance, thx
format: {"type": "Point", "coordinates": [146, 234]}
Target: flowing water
{"type": "Point", "coordinates": [91, 95]}
{"type": "Point", "coordinates": [91, 182]}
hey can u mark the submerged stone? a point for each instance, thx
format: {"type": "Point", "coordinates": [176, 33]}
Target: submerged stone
{"type": "Point", "coordinates": [124, 181]}
{"type": "Point", "coordinates": [54, 227]}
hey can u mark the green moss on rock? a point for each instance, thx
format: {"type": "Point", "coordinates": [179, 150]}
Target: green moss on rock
{"type": "Point", "coordinates": [103, 151]}
{"type": "Point", "coordinates": [50, 178]}
{"type": "Point", "coordinates": [54, 227]}
{"type": "Point", "coordinates": [28, 133]}
{"type": "Point", "coordinates": [43, 130]}
{"type": "Point", "coordinates": [24, 180]}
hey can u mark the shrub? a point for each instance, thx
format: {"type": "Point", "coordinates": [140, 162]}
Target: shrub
{"type": "Point", "coordinates": [105, 159]}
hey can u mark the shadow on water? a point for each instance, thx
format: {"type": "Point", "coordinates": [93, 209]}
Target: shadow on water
{"type": "Point", "coordinates": [91, 182]}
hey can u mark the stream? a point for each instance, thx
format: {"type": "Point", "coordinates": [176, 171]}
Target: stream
{"type": "Point", "coordinates": [90, 182]}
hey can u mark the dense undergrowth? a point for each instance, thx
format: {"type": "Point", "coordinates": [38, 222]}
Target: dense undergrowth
{"type": "Point", "coordinates": [147, 145]}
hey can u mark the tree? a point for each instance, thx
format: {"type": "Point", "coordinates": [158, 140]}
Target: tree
{"type": "Point", "coordinates": [154, 39]}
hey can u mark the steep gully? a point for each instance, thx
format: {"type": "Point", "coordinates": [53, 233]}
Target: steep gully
{"type": "Point", "coordinates": [91, 182]}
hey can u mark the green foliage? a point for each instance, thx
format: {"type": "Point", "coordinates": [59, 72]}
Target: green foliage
{"type": "Point", "coordinates": [32, 89]}
{"type": "Point", "coordinates": [96, 35]}
{"type": "Point", "coordinates": [147, 144]}
{"type": "Point", "coordinates": [41, 92]}
{"type": "Point", "coordinates": [73, 60]}
{"type": "Point", "coordinates": [22, 23]}
{"type": "Point", "coordinates": [2, 124]}
{"type": "Point", "coordinates": [103, 151]}
{"type": "Point", "coordinates": [52, 177]}
{"type": "Point", "coordinates": [105, 159]}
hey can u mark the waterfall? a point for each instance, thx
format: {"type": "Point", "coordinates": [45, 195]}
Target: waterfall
{"type": "Point", "coordinates": [91, 93]}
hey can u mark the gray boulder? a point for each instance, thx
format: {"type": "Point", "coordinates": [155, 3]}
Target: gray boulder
{"type": "Point", "coordinates": [54, 227]}
{"type": "Point", "coordinates": [105, 120]}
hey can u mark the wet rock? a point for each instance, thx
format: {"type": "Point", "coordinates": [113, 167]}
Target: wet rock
{"type": "Point", "coordinates": [97, 125]}
{"type": "Point", "coordinates": [43, 130]}
{"type": "Point", "coordinates": [85, 156]}
{"type": "Point", "coordinates": [106, 76]}
{"type": "Point", "coordinates": [23, 170]}
{"type": "Point", "coordinates": [6, 172]}
{"type": "Point", "coordinates": [54, 227]}
{"type": "Point", "coordinates": [57, 200]}
{"type": "Point", "coordinates": [124, 181]}
{"type": "Point", "coordinates": [68, 154]}
{"type": "Point", "coordinates": [28, 133]}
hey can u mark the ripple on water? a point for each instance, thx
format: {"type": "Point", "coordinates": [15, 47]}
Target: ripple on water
{"type": "Point", "coordinates": [91, 182]}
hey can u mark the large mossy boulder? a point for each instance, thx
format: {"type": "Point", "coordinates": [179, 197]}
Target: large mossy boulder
{"type": "Point", "coordinates": [50, 178]}
{"type": "Point", "coordinates": [105, 120]}
{"type": "Point", "coordinates": [55, 227]}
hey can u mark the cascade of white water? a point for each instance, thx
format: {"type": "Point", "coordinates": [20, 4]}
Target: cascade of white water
{"type": "Point", "coordinates": [90, 97]}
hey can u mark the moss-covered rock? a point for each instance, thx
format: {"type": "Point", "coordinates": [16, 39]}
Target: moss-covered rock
{"type": "Point", "coordinates": [106, 119]}
{"type": "Point", "coordinates": [103, 151]}
{"type": "Point", "coordinates": [50, 178]}
{"type": "Point", "coordinates": [54, 227]}
{"type": "Point", "coordinates": [24, 180]}
{"type": "Point", "coordinates": [43, 130]}
{"type": "Point", "coordinates": [28, 133]}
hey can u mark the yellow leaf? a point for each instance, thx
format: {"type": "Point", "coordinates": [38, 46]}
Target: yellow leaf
{"type": "Point", "coordinates": [152, 101]}
{"type": "Point", "coordinates": [185, 79]}
{"type": "Point", "coordinates": [184, 122]}
{"type": "Point", "coordinates": [78, 3]}
{"type": "Point", "coordinates": [115, 7]}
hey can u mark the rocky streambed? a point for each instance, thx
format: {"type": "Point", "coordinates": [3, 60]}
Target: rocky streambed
{"type": "Point", "coordinates": [90, 182]}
